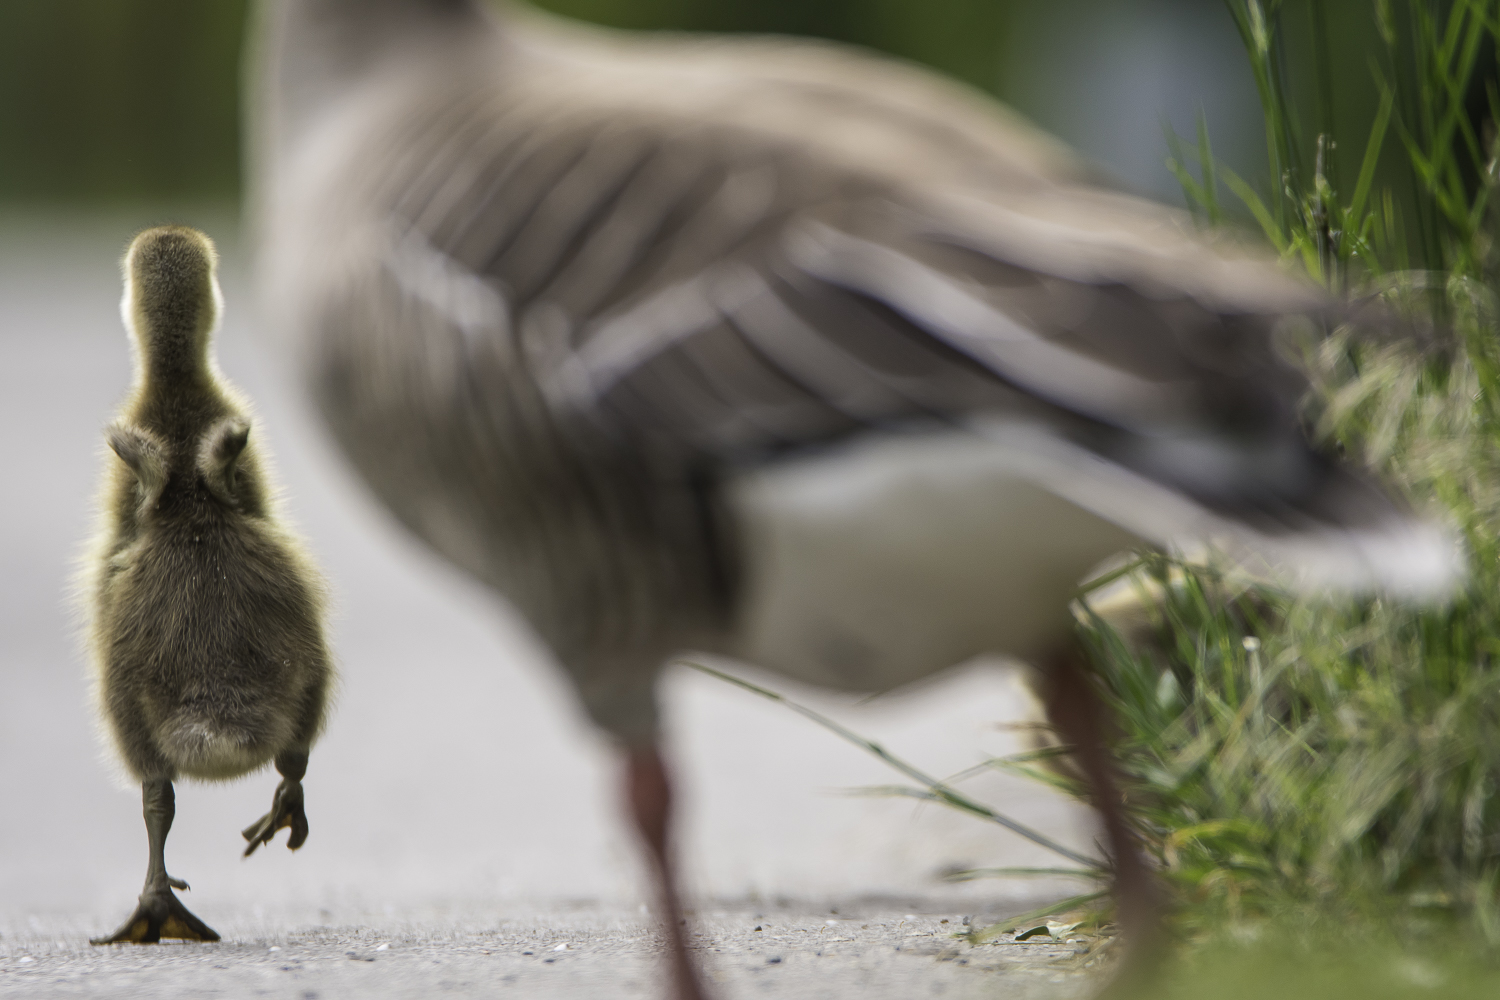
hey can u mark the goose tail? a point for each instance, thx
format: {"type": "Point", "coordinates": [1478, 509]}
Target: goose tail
{"type": "Point", "coordinates": [1337, 531]}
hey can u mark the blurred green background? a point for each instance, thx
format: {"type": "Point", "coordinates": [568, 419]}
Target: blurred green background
{"type": "Point", "coordinates": [137, 100]}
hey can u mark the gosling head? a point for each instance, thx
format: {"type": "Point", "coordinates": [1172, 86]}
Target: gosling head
{"type": "Point", "coordinates": [172, 299]}
{"type": "Point", "coordinates": [180, 415]}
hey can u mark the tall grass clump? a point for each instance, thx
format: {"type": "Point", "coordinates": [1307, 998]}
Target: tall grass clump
{"type": "Point", "coordinates": [1330, 760]}
{"type": "Point", "coordinates": [1324, 765]}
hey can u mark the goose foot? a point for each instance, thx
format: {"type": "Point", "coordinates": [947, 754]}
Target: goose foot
{"type": "Point", "coordinates": [160, 914]}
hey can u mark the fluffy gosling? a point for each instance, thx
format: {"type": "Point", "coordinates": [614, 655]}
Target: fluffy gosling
{"type": "Point", "coordinates": [205, 617]}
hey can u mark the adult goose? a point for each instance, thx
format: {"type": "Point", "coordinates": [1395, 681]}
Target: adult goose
{"type": "Point", "coordinates": [772, 349]}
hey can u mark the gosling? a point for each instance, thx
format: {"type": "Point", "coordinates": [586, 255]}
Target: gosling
{"type": "Point", "coordinates": [205, 617]}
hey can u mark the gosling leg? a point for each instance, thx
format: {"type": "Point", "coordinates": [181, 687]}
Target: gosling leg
{"type": "Point", "coordinates": [649, 793]}
{"type": "Point", "coordinates": [159, 913]}
{"type": "Point", "coordinates": [286, 806]}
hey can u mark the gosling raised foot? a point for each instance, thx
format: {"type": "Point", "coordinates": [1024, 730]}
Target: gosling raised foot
{"type": "Point", "coordinates": [286, 808]}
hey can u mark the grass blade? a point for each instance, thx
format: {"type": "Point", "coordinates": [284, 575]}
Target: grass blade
{"type": "Point", "coordinates": [1209, 171]}
{"type": "Point", "coordinates": [1372, 154]}
{"type": "Point", "coordinates": [940, 792]}
{"type": "Point", "coordinates": [974, 874]}
{"type": "Point", "coordinates": [1268, 223]}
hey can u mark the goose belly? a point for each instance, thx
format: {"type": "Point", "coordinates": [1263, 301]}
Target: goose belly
{"type": "Point", "coordinates": [898, 556]}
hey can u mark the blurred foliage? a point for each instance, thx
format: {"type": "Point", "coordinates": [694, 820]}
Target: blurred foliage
{"type": "Point", "coordinates": [1359, 189]}
{"type": "Point", "coordinates": [1303, 962]}
{"type": "Point", "coordinates": [139, 99]}
{"type": "Point", "coordinates": [110, 100]}
{"type": "Point", "coordinates": [119, 99]}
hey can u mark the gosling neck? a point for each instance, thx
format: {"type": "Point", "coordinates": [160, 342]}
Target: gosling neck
{"type": "Point", "coordinates": [173, 362]}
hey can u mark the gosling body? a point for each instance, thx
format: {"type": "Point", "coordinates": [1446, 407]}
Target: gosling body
{"type": "Point", "coordinates": [205, 617]}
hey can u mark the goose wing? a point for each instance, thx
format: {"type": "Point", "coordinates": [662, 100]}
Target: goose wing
{"type": "Point", "coordinates": [692, 276]}
{"type": "Point", "coordinates": [721, 265]}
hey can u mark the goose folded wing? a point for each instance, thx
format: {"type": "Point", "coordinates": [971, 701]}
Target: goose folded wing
{"type": "Point", "coordinates": [704, 291]}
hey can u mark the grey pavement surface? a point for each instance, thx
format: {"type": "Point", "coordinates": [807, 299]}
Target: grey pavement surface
{"type": "Point", "coordinates": [580, 951]}
{"type": "Point", "coordinates": [456, 778]}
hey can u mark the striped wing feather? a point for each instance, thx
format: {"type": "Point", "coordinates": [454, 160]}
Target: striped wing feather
{"type": "Point", "coordinates": [559, 287]}
{"type": "Point", "coordinates": [715, 253]}
{"type": "Point", "coordinates": [683, 276]}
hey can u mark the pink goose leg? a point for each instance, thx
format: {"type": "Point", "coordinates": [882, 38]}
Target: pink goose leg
{"type": "Point", "coordinates": [649, 794]}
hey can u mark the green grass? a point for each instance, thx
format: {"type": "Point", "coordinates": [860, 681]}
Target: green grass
{"type": "Point", "coordinates": [1321, 778]}
{"type": "Point", "coordinates": [1304, 760]}
{"type": "Point", "coordinates": [1334, 764]}
{"type": "Point", "coordinates": [1329, 763]}
{"type": "Point", "coordinates": [1318, 965]}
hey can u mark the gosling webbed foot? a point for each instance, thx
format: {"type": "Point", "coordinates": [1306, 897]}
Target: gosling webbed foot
{"type": "Point", "coordinates": [286, 811]}
{"type": "Point", "coordinates": [160, 914]}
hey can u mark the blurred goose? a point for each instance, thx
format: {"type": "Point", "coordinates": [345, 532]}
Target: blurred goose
{"type": "Point", "coordinates": [772, 349]}
{"type": "Point", "coordinates": [205, 617]}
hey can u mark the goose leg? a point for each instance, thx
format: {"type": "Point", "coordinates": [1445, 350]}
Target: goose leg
{"type": "Point", "coordinates": [286, 806]}
{"type": "Point", "coordinates": [1082, 720]}
{"type": "Point", "coordinates": [159, 913]}
{"type": "Point", "coordinates": [649, 794]}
